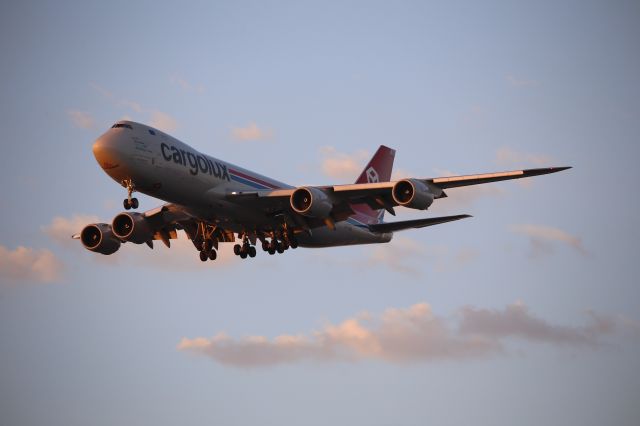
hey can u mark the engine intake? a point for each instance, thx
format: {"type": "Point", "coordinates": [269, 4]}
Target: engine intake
{"type": "Point", "coordinates": [412, 193]}
{"type": "Point", "coordinates": [99, 238]}
{"type": "Point", "coordinates": [132, 227]}
{"type": "Point", "coordinates": [312, 202]}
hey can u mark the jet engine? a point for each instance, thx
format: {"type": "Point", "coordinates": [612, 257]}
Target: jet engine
{"type": "Point", "coordinates": [132, 227]}
{"type": "Point", "coordinates": [311, 202]}
{"type": "Point", "coordinates": [99, 237]}
{"type": "Point", "coordinates": [412, 193]}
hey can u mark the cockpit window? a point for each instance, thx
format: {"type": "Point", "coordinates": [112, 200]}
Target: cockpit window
{"type": "Point", "coordinates": [128, 126]}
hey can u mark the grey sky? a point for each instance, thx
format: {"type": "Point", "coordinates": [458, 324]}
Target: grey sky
{"type": "Point", "coordinates": [535, 297]}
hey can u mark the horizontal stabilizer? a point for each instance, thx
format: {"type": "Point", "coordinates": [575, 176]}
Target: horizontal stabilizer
{"type": "Point", "coordinates": [417, 223]}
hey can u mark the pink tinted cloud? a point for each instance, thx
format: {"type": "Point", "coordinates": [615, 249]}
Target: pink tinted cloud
{"type": "Point", "coordinates": [543, 239]}
{"type": "Point", "coordinates": [25, 264]}
{"type": "Point", "coordinates": [401, 335]}
{"type": "Point", "coordinates": [341, 165]}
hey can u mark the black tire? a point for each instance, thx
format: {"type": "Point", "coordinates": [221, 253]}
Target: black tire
{"type": "Point", "coordinates": [272, 250]}
{"type": "Point", "coordinates": [265, 246]}
{"type": "Point", "coordinates": [203, 256]}
{"type": "Point", "coordinates": [243, 255]}
{"type": "Point", "coordinates": [213, 255]}
{"type": "Point", "coordinates": [293, 243]}
{"type": "Point", "coordinates": [237, 249]}
{"type": "Point", "coordinates": [134, 203]}
{"type": "Point", "coordinates": [252, 251]}
{"type": "Point", "coordinates": [126, 204]}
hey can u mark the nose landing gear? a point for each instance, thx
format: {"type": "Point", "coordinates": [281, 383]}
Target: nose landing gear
{"type": "Point", "coordinates": [129, 203]}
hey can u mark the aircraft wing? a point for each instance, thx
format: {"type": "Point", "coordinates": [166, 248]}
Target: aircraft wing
{"type": "Point", "coordinates": [377, 195]}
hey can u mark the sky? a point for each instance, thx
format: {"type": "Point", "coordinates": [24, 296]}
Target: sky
{"type": "Point", "coordinates": [527, 313]}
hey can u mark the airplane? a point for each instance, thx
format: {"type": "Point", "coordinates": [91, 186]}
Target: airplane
{"type": "Point", "coordinates": [215, 202]}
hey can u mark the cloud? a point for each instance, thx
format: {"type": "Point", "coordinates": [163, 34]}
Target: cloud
{"type": "Point", "coordinates": [408, 256]}
{"type": "Point", "coordinates": [516, 321]}
{"type": "Point", "coordinates": [25, 264]}
{"type": "Point", "coordinates": [186, 85]}
{"type": "Point", "coordinates": [163, 121]}
{"type": "Point", "coordinates": [542, 237]}
{"type": "Point", "coordinates": [135, 106]}
{"type": "Point", "coordinates": [399, 255]}
{"type": "Point", "coordinates": [344, 166]}
{"type": "Point", "coordinates": [250, 133]}
{"type": "Point", "coordinates": [464, 197]}
{"type": "Point", "coordinates": [399, 174]}
{"type": "Point", "coordinates": [81, 119]}
{"type": "Point", "coordinates": [154, 117]}
{"type": "Point", "coordinates": [401, 335]}
{"type": "Point", "coordinates": [476, 114]}
{"type": "Point", "coordinates": [506, 156]}
{"type": "Point", "coordinates": [514, 81]}
{"type": "Point", "coordinates": [61, 228]}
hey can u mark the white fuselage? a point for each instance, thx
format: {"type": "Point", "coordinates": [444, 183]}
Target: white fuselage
{"type": "Point", "coordinates": [166, 168]}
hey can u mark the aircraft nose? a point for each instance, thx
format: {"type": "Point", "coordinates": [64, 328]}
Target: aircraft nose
{"type": "Point", "coordinates": [105, 151]}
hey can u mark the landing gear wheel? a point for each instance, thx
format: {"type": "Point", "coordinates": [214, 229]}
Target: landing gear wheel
{"type": "Point", "coordinates": [272, 250]}
{"type": "Point", "coordinates": [293, 243]}
{"type": "Point", "coordinates": [237, 249]}
{"type": "Point", "coordinates": [243, 254]}
{"type": "Point", "coordinates": [129, 202]}
{"type": "Point", "coordinates": [265, 246]}
{"type": "Point", "coordinates": [280, 248]}
{"type": "Point", "coordinates": [203, 256]}
{"type": "Point", "coordinates": [252, 251]}
{"type": "Point", "coordinates": [213, 255]}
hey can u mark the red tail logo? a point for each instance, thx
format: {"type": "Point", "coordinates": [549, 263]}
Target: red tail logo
{"type": "Point", "coordinates": [377, 170]}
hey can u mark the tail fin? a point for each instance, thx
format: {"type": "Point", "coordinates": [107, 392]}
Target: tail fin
{"type": "Point", "coordinates": [379, 167]}
{"type": "Point", "coordinates": [377, 170]}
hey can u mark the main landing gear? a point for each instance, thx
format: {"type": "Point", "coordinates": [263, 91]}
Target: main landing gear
{"type": "Point", "coordinates": [279, 245]}
{"type": "Point", "coordinates": [244, 250]}
{"type": "Point", "coordinates": [129, 203]}
{"type": "Point", "coordinates": [207, 251]}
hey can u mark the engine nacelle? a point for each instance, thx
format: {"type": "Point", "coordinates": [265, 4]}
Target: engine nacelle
{"type": "Point", "coordinates": [99, 237]}
{"type": "Point", "coordinates": [412, 193]}
{"type": "Point", "coordinates": [311, 202]}
{"type": "Point", "coordinates": [132, 227]}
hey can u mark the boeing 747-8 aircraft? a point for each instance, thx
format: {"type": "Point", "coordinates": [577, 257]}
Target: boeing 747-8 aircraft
{"type": "Point", "coordinates": [215, 202]}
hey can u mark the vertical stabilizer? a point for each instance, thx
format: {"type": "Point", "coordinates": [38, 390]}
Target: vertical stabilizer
{"type": "Point", "coordinates": [377, 170]}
